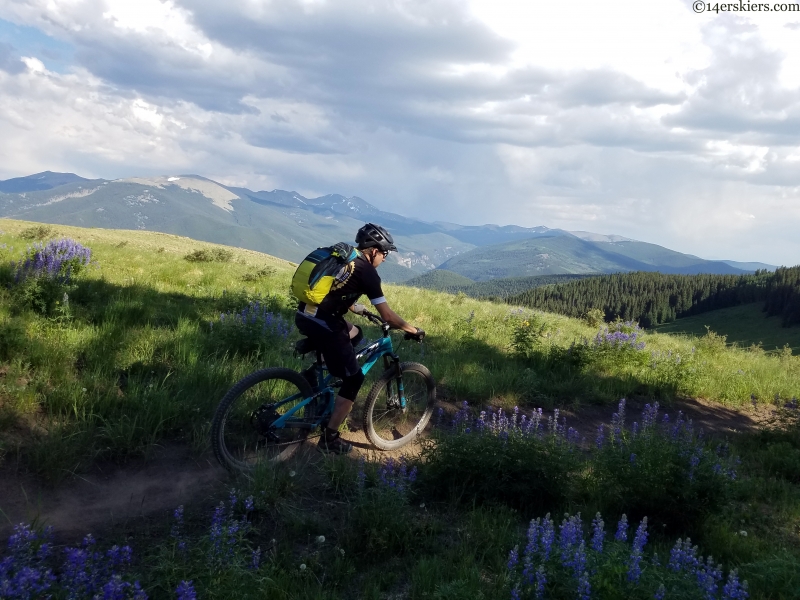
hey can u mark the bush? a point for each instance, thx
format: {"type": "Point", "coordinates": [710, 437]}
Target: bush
{"type": "Point", "coordinates": [527, 335]}
{"type": "Point", "coordinates": [381, 522]}
{"type": "Point", "coordinates": [501, 459]}
{"type": "Point", "coordinates": [258, 275]}
{"type": "Point", "coordinates": [660, 469]}
{"type": "Point", "coordinates": [46, 274]}
{"type": "Point", "coordinates": [562, 563]}
{"type": "Point", "coordinates": [37, 232]}
{"type": "Point", "coordinates": [210, 255]}
{"type": "Point", "coordinates": [594, 317]}
{"type": "Point", "coordinates": [252, 328]}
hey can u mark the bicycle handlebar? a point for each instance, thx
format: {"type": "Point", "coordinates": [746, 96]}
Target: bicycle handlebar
{"type": "Point", "coordinates": [378, 321]}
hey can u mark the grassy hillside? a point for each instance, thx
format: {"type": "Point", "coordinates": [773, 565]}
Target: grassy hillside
{"type": "Point", "coordinates": [137, 359]}
{"type": "Point", "coordinates": [742, 325]}
{"type": "Point", "coordinates": [138, 353]}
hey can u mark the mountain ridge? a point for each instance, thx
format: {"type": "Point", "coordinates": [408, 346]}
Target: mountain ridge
{"type": "Point", "coordinates": [287, 224]}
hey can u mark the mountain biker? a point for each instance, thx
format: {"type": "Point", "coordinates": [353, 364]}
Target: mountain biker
{"type": "Point", "coordinates": [336, 338]}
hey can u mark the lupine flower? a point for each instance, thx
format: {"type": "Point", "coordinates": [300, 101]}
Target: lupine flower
{"type": "Point", "coordinates": [584, 589]}
{"type": "Point", "coordinates": [733, 590]}
{"type": "Point", "coordinates": [255, 559]}
{"type": "Point", "coordinates": [185, 591]}
{"type": "Point", "coordinates": [622, 529]}
{"type": "Point", "coordinates": [513, 558]}
{"type": "Point", "coordinates": [541, 582]}
{"type": "Point", "coordinates": [639, 540]}
{"type": "Point", "coordinates": [598, 533]}
{"type": "Point", "coordinates": [660, 593]}
{"type": "Point", "coordinates": [58, 260]}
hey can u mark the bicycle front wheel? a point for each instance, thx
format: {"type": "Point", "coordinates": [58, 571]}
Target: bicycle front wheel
{"type": "Point", "coordinates": [241, 431]}
{"type": "Point", "coordinates": [387, 425]}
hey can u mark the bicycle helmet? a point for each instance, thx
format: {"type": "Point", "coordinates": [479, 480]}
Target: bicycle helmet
{"type": "Point", "coordinates": [375, 236]}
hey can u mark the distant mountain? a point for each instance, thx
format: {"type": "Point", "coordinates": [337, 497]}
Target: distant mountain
{"type": "Point", "coordinates": [749, 266]}
{"type": "Point", "coordinates": [46, 180]}
{"type": "Point", "coordinates": [560, 252]}
{"type": "Point", "coordinates": [287, 224]}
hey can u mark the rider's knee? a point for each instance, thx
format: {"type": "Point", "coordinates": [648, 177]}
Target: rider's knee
{"type": "Point", "coordinates": [355, 339]}
{"type": "Point", "coordinates": [350, 386]}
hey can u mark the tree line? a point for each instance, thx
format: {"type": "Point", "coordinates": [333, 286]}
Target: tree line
{"type": "Point", "coordinates": [653, 298]}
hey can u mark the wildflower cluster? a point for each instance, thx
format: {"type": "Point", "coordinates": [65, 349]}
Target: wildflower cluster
{"type": "Point", "coordinates": [523, 460]}
{"type": "Point", "coordinates": [58, 260]}
{"type": "Point", "coordinates": [85, 572]}
{"type": "Point", "coordinates": [661, 467]}
{"type": "Point", "coordinates": [227, 530]}
{"type": "Point", "coordinates": [620, 335]}
{"type": "Point", "coordinates": [395, 475]}
{"type": "Point", "coordinates": [251, 328]}
{"type": "Point", "coordinates": [257, 316]}
{"type": "Point", "coordinates": [504, 425]}
{"type": "Point", "coordinates": [559, 561]}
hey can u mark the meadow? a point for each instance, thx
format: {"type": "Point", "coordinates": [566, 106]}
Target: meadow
{"type": "Point", "coordinates": [745, 326]}
{"type": "Point", "coordinates": [137, 348]}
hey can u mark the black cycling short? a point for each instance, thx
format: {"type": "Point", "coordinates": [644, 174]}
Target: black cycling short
{"type": "Point", "coordinates": [332, 336]}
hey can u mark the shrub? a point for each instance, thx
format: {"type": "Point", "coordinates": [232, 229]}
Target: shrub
{"type": "Point", "coordinates": [45, 275]}
{"type": "Point", "coordinates": [527, 334]}
{"type": "Point", "coordinates": [661, 469]}
{"type": "Point", "coordinates": [259, 274]}
{"type": "Point", "coordinates": [594, 317]}
{"type": "Point", "coordinates": [37, 232]}
{"type": "Point", "coordinates": [209, 255]}
{"type": "Point", "coordinates": [251, 328]}
{"type": "Point", "coordinates": [381, 522]}
{"type": "Point", "coordinates": [560, 562]}
{"type": "Point", "coordinates": [503, 459]}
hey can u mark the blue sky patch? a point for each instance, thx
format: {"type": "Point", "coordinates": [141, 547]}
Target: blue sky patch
{"type": "Point", "coordinates": [28, 41]}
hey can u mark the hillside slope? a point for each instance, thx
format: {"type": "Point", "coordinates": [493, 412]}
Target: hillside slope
{"type": "Point", "coordinates": [289, 225]}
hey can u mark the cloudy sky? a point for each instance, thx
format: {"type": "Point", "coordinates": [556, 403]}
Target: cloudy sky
{"type": "Point", "coordinates": [640, 118]}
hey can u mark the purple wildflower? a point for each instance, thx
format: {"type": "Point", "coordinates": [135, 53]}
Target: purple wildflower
{"type": "Point", "coordinates": [185, 591]}
{"type": "Point", "coordinates": [598, 533]}
{"type": "Point", "coordinates": [622, 529]}
{"type": "Point", "coordinates": [639, 540]}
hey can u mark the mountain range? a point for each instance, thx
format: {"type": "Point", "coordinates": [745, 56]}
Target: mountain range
{"type": "Point", "coordinates": [288, 225]}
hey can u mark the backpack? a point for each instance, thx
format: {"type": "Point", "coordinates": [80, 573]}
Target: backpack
{"type": "Point", "coordinates": [321, 271]}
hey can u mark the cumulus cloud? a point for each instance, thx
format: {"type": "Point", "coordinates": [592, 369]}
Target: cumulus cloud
{"type": "Point", "coordinates": [427, 108]}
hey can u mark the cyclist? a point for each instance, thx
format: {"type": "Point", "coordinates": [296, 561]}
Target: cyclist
{"type": "Point", "coordinates": [336, 338]}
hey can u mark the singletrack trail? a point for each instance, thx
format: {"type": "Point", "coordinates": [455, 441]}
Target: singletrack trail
{"type": "Point", "coordinates": [110, 495]}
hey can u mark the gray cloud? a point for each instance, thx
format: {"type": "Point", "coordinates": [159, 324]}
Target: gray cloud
{"type": "Point", "coordinates": [10, 61]}
{"type": "Point", "coordinates": [416, 107]}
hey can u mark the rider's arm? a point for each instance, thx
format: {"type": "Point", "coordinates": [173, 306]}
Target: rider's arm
{"type": "Point", "coordinates": [393, 319]}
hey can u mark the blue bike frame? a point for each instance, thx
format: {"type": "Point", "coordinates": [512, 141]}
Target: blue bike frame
{"type": "Point", "coordinates": [371, 353]}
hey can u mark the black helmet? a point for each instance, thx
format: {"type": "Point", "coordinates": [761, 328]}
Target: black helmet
{"type": "Point", "coordinates": [375, 236]}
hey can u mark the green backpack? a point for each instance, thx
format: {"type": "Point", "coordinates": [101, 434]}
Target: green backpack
{"type": "Point", "coordinates": [323, 270]}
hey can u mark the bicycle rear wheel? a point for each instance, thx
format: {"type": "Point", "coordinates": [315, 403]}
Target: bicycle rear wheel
{"type": "Point", "coordinates": [240, 432]}
{"type": "Point", "coordinates": [386, 425]}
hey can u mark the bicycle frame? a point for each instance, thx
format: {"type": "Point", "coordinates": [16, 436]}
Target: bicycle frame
{"type": "Point", "coordinates": [371, 354]}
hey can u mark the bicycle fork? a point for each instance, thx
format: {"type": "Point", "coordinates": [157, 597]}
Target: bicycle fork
{"type": "Point", "coordinates": [397, 381]}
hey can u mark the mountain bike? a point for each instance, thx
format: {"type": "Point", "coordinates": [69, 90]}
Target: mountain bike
{"type": "Point", "coordinates": [268, 414]}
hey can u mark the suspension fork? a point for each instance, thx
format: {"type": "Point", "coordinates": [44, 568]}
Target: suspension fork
{"type": "Point", "coordinates": [388, 362]}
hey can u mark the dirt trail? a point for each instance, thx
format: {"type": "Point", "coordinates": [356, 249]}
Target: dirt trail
{"type": "Point", "coordinates": [116, 496]}
{"type": "Point", "coordinates": [122, 495]}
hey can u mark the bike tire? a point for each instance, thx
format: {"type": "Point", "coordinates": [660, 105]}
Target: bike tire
{"type": "Point", "coordinates": [231, 432]}
{"type": "Point", "coordinates": [380, 421]}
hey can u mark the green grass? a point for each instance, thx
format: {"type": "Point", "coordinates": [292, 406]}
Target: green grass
{"type": "Point", "coordinates": [742, 325]}
{"type": "Point", "coordinates": [137, 363]}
